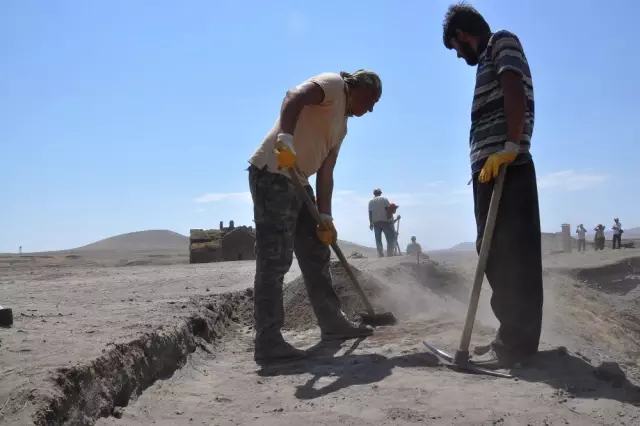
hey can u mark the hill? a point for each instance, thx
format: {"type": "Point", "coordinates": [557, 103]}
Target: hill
{"type": "Point", "coordinates": [160, 239]}
{"type": "Point", "coordinates": [630, 233]}
{"type": "Point", "coordinates": [464, 246]}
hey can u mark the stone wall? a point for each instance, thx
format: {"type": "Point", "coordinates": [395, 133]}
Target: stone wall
{"type": "Point", "coordinates": [207, 245]}
{"type": "Point", "coordinates": [239, 244]}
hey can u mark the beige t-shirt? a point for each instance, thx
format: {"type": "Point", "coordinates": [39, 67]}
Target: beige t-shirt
{"type": "Point", "coordinates": [378, 208]}
{"type": "Point", "coordinates": [320, 128]}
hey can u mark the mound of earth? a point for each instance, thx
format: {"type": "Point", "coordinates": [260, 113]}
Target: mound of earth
{"type": "Point", "coordinates": [396, 285]}
{"type": "Point", "coordinates": [142, 240]}
{"type": "Point", "coordinates": [298, 311]}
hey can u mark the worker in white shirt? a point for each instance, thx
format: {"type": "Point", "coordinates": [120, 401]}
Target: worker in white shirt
{"type": "Point", "coordinates": [582, 234]}
{"type": "Point", "coordinates": [379, 222]}
{"type": "Point", "coordinates": [617, 233]}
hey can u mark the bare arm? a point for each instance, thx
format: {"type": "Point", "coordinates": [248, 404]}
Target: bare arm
{"type": "Point", "coordinates": [294, 101]}
{"type": "Point", "coordinates": [515, 106]}
{"type": "Point", "coordinates": [324, 182]}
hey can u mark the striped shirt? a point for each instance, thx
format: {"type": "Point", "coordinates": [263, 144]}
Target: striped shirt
{"type": "Point", "coordinates": [488, 122]}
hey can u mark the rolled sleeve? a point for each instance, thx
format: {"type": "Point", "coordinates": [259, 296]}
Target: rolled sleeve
{"type": "Point", "coordinates": [507, 53]}
{"type": "Point", "coordinates": [332, 85]}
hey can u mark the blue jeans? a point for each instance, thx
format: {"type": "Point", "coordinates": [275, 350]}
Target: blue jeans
{"type": "Point", "coordinates": [389, 234]}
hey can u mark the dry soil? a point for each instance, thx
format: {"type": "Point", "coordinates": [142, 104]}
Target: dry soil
{"type": "Point", "coordinates": [137, 338]}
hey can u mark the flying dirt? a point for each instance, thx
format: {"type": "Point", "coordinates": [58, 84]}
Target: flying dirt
{"type": "Point", "coordinates": [171, 343]}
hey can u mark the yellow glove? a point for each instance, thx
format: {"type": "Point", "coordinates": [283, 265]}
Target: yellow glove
{"type": "Point", "coordinates": [285, 153]}
{"type": "Point", "coordinates": [327, 234]}
{"type": "Point", "coordinates": [492, 165]}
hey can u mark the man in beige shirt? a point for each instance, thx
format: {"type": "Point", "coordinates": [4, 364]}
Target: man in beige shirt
{"type": "Point", "coordinates": [311, 126]}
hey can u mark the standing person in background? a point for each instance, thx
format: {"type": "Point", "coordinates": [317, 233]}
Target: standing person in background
{"type": "Point", "coordinates": [617, 233]}
{"type": "Point", "coordinates": [393, 208]}
{"type": "Point", "coordinates": [379, 222]}
{"type": "Point", "coordinates": [502, 119]}
{"type": "Point", "coordinates": [582, 235]}
{"type": "Point", "coordinates": [598, 240]}
{"type": "Point", "coordinates": [413, 248]}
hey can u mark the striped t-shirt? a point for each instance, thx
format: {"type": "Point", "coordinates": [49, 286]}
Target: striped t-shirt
{"type": "Point", "coordinates": [488, 122]}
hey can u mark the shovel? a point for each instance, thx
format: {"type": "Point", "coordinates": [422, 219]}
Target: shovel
{"type": "Point", "coordinates": [370, 317]}
{"type": "Point", "coordinates": [461, 357]}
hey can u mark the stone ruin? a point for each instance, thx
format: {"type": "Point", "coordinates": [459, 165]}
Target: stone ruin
{"type": "Point", "coordinates": [220, 245]}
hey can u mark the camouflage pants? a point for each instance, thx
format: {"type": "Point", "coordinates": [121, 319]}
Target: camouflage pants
{"type": "Point", "coordinates": [284, 225]}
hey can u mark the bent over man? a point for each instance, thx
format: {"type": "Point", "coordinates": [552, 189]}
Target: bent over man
{"type": "Point", "coordinates": [502, 117]}
{"type": "Point", "coordinates": [311, 126]}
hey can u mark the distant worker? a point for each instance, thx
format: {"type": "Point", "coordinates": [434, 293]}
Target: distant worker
{"type": "Point", "coordinates": [393, 208]}
{"type": "Point", "coordinates": [617, 233]}
{"type": "Point", "coordinates": [413, 248]}
{"type": "Point", "coordinates": [582, 234]}
{"type": "Point", "coordinates": [20, 250]}
{"type": "Point", "coordinates": [598, 240]}
{"type": "Point", "coordinates": [312, 124]}
{"type": "Point", "coordinates": [379, 222]}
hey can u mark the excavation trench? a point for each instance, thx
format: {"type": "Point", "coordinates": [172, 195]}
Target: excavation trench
{"type": "Point", "coordinates": [619, 278]}
{"type": "Point", "coordinates": [94, 389]}
{"type": "Point", "coordinates": [102, 386]}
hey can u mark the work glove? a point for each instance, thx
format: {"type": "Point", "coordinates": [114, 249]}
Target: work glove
{"type": "Point", "coordinates": [285, 153]}
{"type": "Point", "coordinates": [327, 233]}
{"type": "Point", "coordinates": [371, 226]}
{"type": "Point", "coordinates": [492, 166]}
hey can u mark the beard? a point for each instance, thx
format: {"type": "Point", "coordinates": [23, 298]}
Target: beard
{"type": "Point", "coordinates": [469, 55]}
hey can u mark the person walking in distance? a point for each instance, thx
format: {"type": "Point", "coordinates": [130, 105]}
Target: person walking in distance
{"type": "Point", "coordinates": [308, 133]}
{"type": "Point", "coordinates": [617, 233]}
{"type": "Point", "coordinates": [582, 235]}
{"type": "Point", "coordinates": [502, 118]}
{"type": "Point", "coordinates": [380, 223]}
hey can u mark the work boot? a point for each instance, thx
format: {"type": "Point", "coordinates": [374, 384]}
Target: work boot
{"type": "Point", "coordinates": [492, 359]}
{"type": "Point", "coordinates": [343, 329]}
{"type": "Point", "coordinates": [277, 350]}
{"type": "Point", "coordinates": [482, 349]}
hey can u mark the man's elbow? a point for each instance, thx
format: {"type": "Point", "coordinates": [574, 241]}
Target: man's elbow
{"type": "Point", "coordinates": [291, 99]}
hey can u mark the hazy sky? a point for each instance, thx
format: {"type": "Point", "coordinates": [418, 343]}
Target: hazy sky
{"type": "Point", "coordinates": [126, 115]}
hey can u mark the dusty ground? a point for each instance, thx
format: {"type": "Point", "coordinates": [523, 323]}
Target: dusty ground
{"type": "Point", "coordinates": [154, 343]}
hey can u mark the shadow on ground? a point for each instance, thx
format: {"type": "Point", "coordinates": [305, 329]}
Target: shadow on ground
{"type": "Point", "coordinates": [350, 369]}
{"type": "Point", "coordinates": [570, 375]}
{"type": "Point", "coordinates": [577, 377]}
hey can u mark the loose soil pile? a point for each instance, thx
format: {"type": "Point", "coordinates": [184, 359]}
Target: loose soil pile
{"type": "Point", "coordinates": [299, 313]}
{"type": "Point", "coordinates": [403, 287]}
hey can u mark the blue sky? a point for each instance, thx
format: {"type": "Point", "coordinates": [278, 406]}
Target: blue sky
{"type": "Point", "coordinates": [121, 116]}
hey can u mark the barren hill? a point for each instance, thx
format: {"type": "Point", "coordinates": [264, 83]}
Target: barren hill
{"type": "Point", "coordinates": [159, 239]}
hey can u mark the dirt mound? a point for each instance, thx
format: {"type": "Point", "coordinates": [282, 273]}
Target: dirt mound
{"type": "Point", "coordinates": [298, 312]}
{"type": "Point", "coordinates": [142, 240]}
{"type": "Point", "coordinates": [619, 278]}
{"type": "Point", "coordinates": [398, 286]}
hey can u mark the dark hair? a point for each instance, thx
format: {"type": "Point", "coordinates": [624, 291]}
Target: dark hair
{"type": "Point", "coordinates": [464, 17]}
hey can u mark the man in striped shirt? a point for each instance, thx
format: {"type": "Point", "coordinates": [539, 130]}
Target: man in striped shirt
{"type": "Point", "coordinates": [502, 117]}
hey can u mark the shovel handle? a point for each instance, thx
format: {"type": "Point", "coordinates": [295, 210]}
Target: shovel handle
{"type": "Point", "coordinates": [295, 178]}
{"type": "Point", "coordinates": [487, 236]}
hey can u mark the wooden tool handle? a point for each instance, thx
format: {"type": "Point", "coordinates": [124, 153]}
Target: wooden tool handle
{"type": "Point", "coordinates": [343, 260]}
{"type": "Point", "coordinates": [487, 236]}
